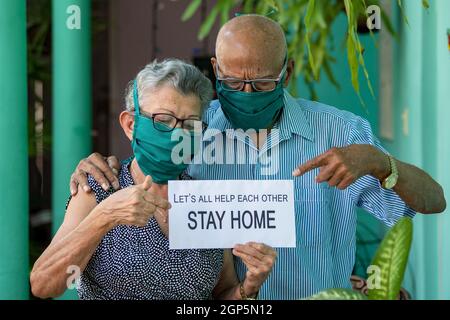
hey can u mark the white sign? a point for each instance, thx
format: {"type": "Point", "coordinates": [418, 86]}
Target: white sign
{"type": "Point", "coordinates": [219, 214]}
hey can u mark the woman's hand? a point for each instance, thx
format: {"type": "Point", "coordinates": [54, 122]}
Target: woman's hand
{"type": "Point", "coordinates": [134, 205]}
{"type": "Point", "coordinates": [259, 260]}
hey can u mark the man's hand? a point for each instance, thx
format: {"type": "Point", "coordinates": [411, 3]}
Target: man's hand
{"type": "Point", "coordinates": [340, 167]}
{"type": "Point", "coordinates": [104, 170]}
{"type": "Point", "coordinates": [259, 260]}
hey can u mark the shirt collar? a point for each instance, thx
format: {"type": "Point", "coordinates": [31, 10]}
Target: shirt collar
{"type": "Point", "coordinates": [292, 120]}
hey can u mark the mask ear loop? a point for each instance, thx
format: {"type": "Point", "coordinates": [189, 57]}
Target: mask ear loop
{"type": "Point", "coordinates": [136, 108]}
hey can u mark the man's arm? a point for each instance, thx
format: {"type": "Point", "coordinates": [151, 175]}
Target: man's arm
{"type": "Point", "coordinates": [341, 167]}
{"type": "Point", "coordinates": [103, 170]}
{"type": "Point", "coordinates": [414, 186]}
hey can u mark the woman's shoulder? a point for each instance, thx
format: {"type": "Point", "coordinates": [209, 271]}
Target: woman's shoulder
{"type": "Point", "coordinates": [123, 176]}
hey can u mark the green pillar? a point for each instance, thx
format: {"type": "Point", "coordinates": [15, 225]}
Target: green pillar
{"type": "Point", "coordinates": [14, 265]}
{"type": "Point", "coordinates": [72, 119]}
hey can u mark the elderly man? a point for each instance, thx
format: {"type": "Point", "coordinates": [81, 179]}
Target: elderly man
{"type": "Point", "coordinates": [335, 160]}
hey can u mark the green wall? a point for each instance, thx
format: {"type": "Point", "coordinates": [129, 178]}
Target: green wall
{"type": "Point", "coordinates": [422, 79]}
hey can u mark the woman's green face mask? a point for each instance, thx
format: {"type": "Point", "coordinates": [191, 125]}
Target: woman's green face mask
{"type": "Point", "coordinates": [163, 155]}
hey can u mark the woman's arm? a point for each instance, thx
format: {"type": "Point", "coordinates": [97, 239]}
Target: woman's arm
{"type": "Point", "coordinates": [84, 226]}
{"type": "Point", "coordinates": [259, 260]}
{"type": "Point", "coordinates": [73, 245]}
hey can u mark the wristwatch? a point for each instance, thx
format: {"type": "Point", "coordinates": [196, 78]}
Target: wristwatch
{"type": "Point", "coordinates": [391, 180]}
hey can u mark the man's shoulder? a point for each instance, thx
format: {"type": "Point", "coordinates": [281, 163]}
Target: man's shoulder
{"type": "Point", "coordinates": [314, 111]}
{"type": "Point", "coordinates": [320, 112]}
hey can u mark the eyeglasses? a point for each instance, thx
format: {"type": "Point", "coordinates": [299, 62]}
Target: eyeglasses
{"type": "Point", "coordinates": [167, 122]}
{"type": "Point", "coordinates": [264, 85]}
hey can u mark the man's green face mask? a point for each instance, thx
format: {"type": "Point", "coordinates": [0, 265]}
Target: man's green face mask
{"type": "Point", "coordinates": [252, 110]}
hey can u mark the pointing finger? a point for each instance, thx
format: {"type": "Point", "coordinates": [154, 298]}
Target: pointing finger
{"type": "Point", "coordinates": [310, 165]}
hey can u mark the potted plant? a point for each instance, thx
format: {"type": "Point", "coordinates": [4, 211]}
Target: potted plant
{"type": "Point", "coordinates": [389, 265]}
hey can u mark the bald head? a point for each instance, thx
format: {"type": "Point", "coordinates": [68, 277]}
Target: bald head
{"type": "Point", "coordinates": [252, 41]}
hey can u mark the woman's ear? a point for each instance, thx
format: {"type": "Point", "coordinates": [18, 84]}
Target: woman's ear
{"type": "Point", "coordinates": [289, 71]}
{"type": "Point", "coordinates": [126, 120]}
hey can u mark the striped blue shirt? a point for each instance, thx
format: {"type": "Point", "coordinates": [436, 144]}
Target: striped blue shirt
{"type": "Point", "coordinates": [325, 217]}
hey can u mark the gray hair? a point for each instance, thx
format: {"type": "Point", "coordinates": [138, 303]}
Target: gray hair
{"type": "Point", "coordinates": [182, 76]}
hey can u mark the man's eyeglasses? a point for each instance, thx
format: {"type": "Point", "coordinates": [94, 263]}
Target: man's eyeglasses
{"type": "Point", "coordinates": [167, 122]}
{"type": "Point", "coordinates": [264, 85]}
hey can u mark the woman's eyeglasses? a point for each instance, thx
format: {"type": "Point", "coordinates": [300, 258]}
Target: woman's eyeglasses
{"type": "Point", "coordinates": [167, 122]}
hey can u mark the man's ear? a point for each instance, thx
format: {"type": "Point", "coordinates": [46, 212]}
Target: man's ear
{"type": "Point", "coordinates": [127, 123]}
{"type": "Point", "coordinates": [214, 63]}
{"type": "Point", "coordinates": [289, 71]}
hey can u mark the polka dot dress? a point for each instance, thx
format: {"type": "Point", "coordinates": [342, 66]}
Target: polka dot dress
{"type": "Point", "coordinates": [136, 263]}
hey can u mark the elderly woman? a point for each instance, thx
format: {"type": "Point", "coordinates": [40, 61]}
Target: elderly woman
{"type": "Point", "coordinates": [118, 240]}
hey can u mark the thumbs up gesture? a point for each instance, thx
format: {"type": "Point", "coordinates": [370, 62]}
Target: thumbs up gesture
{"type": "Point", "coordinates": [134, 205]}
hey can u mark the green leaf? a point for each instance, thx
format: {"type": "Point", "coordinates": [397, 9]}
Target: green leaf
{"type": "Point", "coordinates": [330, 75]}
{"type": "Point", "coordinates": [405, 18]}
{"type": "Point", "coordinates": [319, 17]}
{"type": "Point", "coordinates": [272, 4]}
{"type": "Point", "coordinates": [349, 11]}
{"type": "Point", "coordinates": [309, 14]}
{"type": "Point", "coordinates": [391, 258]}
{"type": "Point", "coordinates": [262, 7]}
{"type": "Point", "coordinates": [426, 4]}
{"type": "Point", "coordinates": [338, 294]}
{"type": "Point", "coordinates": [248, 6]}
{"type": "Point", "coordinates": [191, 9]}
{"type": "Point", "coordinates": [353, 62]}
{"type": "Point", "coordinates": [388, 24]}
{"type": "Point", "coordinates": [209, 22]}
{"type": "Point", "coordinates": [363, 65]}
{"type": "Point", "coordinates": [364, 9]}
{"type": "Point", "coordinates": [225, 12]}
